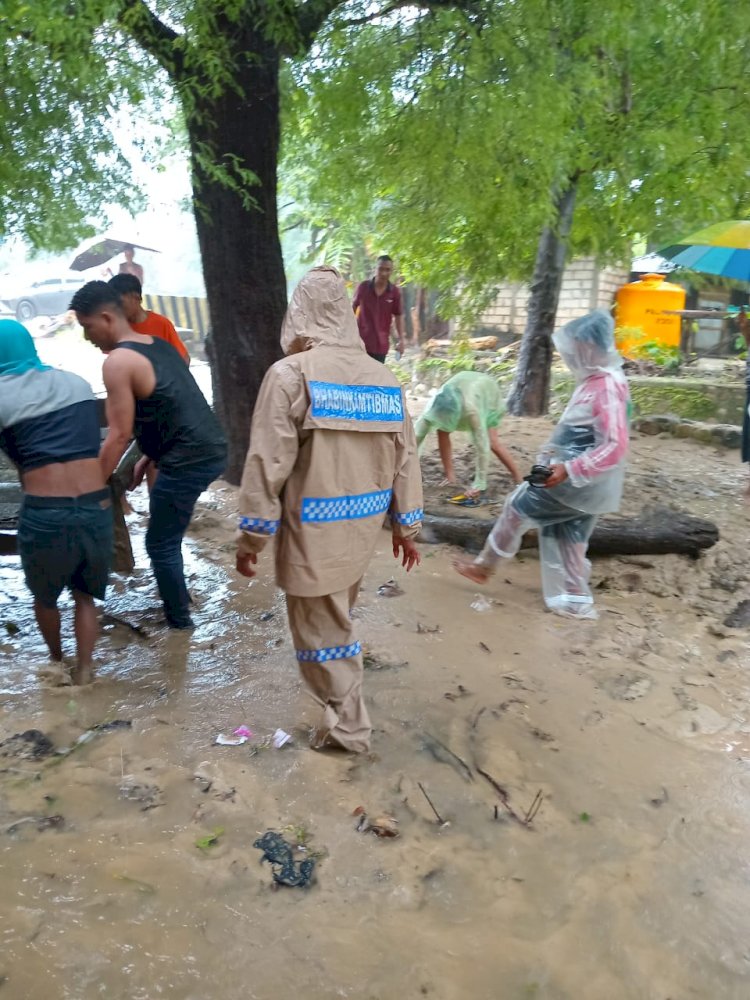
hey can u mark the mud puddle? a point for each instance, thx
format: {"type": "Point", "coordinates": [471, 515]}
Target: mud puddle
{"type": "Point", "coordinates": [632, 880]}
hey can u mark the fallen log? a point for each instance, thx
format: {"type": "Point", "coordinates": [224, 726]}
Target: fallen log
{"type": "Point", "coordinates": [475, 343]}
{"type": "Point", "coordinates": [656, 531]}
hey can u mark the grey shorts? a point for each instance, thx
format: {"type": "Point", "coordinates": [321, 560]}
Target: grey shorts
{"type": "Point", "coordinates": [66, 542]}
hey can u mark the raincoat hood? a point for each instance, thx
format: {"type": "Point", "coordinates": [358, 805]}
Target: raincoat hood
{"type": "Point", "coordinates": [320, 314]}
{"type": "Point", "coordinates": [445, 410]}
{"type": "Point", "coordinates": [587, 345]}
{"type": "Point", "coordinates": [17, 349]}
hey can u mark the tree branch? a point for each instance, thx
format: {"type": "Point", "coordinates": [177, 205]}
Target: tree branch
{"type": "Point", "coordinates": [398, 4]}
{"type": "Point", "coordinates": [384, 12]}
{"type": "Point", "coordinates": [152, 34]}
{"type": "Point", "coordinates": [311, 16]}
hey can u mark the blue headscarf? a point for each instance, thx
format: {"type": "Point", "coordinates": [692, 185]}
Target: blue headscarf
{"type": "Point", "coordinates": [17, 350]}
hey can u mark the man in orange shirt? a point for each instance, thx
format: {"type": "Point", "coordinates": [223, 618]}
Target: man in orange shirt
{"type": "Point", "coordinates": [152, 324]}
{"type": "Point", "coordinates": [129, 291]}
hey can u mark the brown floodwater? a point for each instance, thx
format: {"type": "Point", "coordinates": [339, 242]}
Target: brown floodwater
{"type": "Point", "coordinates": [632, 881]}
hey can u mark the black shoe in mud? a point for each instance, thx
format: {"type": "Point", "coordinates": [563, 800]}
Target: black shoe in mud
{"type": "Point", "coordinates": [183, 624]}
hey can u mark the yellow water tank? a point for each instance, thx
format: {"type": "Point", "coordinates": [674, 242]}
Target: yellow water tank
{"type": "Point", "coordinates": [641, 306]}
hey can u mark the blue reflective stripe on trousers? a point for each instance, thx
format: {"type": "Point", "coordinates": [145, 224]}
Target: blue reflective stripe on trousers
{"type": "Point", "coordinates": [330, 653]}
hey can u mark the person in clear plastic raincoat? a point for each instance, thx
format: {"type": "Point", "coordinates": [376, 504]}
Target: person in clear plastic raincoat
{"type": "Point", "coordinates": [586, 456]}
{"type": "Point", "coordinates": [471, 402]}
{"type": "Point", "coordinates": [332, 450]}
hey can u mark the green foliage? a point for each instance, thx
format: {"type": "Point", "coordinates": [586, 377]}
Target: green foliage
{"type": "Point", "coordinates": [74, 71]}
{"type": "Point", "coordinates": [460, 358]}
{"type": "Point", "coordinates": [663, 356]}
{"type": "Point", "coordinates": [655, 397]}
{"type": "Point", "coordinates": [451, 132]}
{"type": "Point", "coordinates": [401, 373]}
{"type": "Point", "coordinates": [645, 348]}
{"type": "Point", "coordinates": [63, 81]}
{"type": "Point", "coordinates": [210, 840]}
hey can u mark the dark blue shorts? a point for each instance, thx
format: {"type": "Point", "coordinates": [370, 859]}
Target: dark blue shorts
{"type": "Point", "coordinates": [66, 542]}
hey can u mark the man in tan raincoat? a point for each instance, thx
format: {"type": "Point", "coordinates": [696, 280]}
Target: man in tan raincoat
{"type": "Point", "coordinates": [332, 449]}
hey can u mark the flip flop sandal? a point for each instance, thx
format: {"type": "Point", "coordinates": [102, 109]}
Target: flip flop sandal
{"type": "Point", "coordinates": [463, 501]}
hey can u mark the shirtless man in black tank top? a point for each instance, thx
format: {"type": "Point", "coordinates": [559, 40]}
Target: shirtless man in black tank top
{"type": "Point", "coordinates": [152, 396]}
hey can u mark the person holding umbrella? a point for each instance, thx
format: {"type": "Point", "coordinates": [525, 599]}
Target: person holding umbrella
{"type": "Point", "coordinates": [98, 252]}
{"type": "Point", "coordinates": [130, 266]}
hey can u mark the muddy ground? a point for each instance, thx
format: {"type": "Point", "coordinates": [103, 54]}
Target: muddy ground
{"type": "Point", "coordinates": [632, 881]}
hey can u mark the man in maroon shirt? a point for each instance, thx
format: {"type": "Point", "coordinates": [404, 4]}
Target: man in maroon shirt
{"type": "Point", "coordinates": [377, 303]}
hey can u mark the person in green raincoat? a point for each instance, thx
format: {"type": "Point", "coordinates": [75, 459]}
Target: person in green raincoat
{"type": "Point", "coordinates": [471, 402]}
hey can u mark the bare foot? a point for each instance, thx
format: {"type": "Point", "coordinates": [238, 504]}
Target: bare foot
{"type": "Point", "coordinates": [471, 571]}
{"type": "Point", "coordinates": [54, 674]}
{"type": "Point", "coordinates": [82, 674]}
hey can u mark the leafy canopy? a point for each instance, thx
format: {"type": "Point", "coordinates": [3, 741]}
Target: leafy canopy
{"type": "Point", "coordinates": [64, 81]}
{"type": "Point", "coordinates": [450, 132]}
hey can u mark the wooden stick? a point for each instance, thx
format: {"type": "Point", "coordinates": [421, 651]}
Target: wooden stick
{"type": "Point", "coordinates": [503, 796]}
{"type": "Point", "coordinates": [437, 814]}
{"type": "Point", "coordinates": [138, 629]}
{"type": "Point", "coordinates": [534, 808]}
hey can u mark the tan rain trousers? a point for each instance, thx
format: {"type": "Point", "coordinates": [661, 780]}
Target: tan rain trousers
{"type": "Point", "coordinates": [330, 661]}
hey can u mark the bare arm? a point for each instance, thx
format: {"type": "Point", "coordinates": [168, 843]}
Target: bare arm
{"type": "Point", "coordinates": [120, 411]}
{"type": "Point", "coordinates": [501, 452]}
{"type": "Point", "coordinates": [400, 331]}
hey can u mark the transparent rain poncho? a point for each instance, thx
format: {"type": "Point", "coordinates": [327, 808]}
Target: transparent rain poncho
{"type": "Point", "coordinates": [591, 439]}
{"type": "Point", "coordinates": [470, 402]}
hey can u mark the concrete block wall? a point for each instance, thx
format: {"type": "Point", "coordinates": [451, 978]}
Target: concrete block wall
{"type": "Point", "coordinates": [585, 286]}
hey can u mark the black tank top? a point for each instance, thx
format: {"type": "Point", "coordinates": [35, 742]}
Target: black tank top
{"type": "Point", "coordinates": [175, 426]}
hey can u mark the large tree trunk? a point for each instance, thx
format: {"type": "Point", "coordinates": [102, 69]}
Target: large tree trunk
{"type": "Point", "coordinates": [529, 395]}
{"type": "Point", "coordinates": [427, 324]}
{"type": "Point", "coordinates": [656, 531]}
{"type": "Point", "coordinates": [242, 263]}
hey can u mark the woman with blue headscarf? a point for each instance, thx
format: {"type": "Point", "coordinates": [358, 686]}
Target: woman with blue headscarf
{"type": "Point", "coordinates": [17, 350]}
{"type": "Point", "coordinates": [49, 429]}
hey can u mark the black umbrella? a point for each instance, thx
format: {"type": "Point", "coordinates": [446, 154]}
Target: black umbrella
{"type": "Point", "coordinates": [101, 250]}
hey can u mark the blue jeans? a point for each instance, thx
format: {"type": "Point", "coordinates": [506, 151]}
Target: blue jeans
{"type": "Point", "coordinates": [171, 507]}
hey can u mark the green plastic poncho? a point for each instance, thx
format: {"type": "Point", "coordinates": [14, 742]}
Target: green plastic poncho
{"type": "Point", "coordinates": [471, 402]}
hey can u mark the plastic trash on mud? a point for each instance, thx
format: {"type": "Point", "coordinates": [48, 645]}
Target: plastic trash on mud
{"type": "Point", "coordinates": [480, 603]}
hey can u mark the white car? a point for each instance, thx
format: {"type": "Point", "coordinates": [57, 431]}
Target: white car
{"type": "Point", "coordinates": [48, 297]}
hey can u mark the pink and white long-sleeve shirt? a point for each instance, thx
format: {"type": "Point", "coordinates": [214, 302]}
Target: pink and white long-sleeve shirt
{"type": "Point", "coordinates": [592, 439]}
